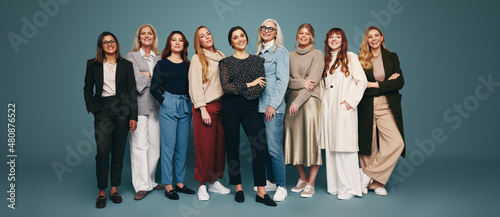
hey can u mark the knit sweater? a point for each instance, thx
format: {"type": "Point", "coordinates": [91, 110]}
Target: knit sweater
{"type": "Point", "coordinates": [203, 93]}
{"type": "Point", "coordinates": [305, 64]}
{"type": "Point", "coordinates": [236, 73]}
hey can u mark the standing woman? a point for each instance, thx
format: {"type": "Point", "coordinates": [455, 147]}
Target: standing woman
{"type": "Point", "coordinates": [206, 93]}
{"type": "Point", "coordinates": [344, 85]}
{"type": "Point", "coordinates": [171, 76]}
{"type": "Point", "coordinates": [272, 102]}
{"type": "Point", "coordinates": [114, 106]}
{"type": "Point", "coordinates": [242, 79]}
{"type": "Point", "coordinates": [381, 135]}
{"type": "Point", "coordinates": [302, 127]}
{"type": "Point", "coordinates": [145, 141]}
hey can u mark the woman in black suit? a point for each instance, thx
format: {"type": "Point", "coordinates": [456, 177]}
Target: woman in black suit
{"type": "Point", "coordinates": [114, 105]}
{"type": "Point", "coordinates": [381, 137]}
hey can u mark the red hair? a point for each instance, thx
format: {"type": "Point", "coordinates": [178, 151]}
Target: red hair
{"type": "Point", "coordinates": [341, 59]}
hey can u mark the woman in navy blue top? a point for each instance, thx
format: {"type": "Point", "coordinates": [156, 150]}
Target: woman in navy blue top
{"type": "Point", "coordinates": [170, 87]}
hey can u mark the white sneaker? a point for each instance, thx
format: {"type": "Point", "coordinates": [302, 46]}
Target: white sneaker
{"type": "Point", "coordinates": [269, 186]}
{"type": "Point", "coordinates": [381, 191]}
{"type": "Point", "coordinates": [365, 181]}
{"type": "Point", "coordinates": [344, 196]}
{"type": "Point", "coordinates": [217, 187]}
{"type": "Point", "coordinates": [308, 191]}
{"type": "Point", "coordinates": [300, 186]}
{"type": "Point", "coordinates": [202, 193]}
{"type": "Point", "coordinates": [280, 195]}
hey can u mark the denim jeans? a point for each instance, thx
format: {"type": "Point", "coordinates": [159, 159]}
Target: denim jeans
{"type": "Point", "coordinates": [175, 122]}
{"type": "Point", "coordinates": [275, 160]}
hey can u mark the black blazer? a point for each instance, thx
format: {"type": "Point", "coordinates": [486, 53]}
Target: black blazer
{"type": "Point", "coordinates": [389, 88]}
{"type": "Point", "coordinates": [125, 88]}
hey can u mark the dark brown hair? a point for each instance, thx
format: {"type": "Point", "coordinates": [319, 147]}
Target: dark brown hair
{"type": "Point", "coordinates": [168, 46]}
{"type": "Point", "coordinates": [100, 56]}
{"type": "Point", "coordinates": [230, 34]}
{"type": "Point", "coordinates": [341, 59]}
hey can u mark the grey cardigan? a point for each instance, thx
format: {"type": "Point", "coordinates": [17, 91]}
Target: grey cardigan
{"type": "Point", "coordinates": [146, 103]}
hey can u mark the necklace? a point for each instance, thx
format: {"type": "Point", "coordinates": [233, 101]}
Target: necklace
{"type": "Point", "coordinates": [111, 68]}
{"type": "Point", "coordinates": [376, 58]}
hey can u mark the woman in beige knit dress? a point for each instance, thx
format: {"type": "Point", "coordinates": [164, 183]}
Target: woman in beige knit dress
{"type": "Point", "coordinates": [302, 127]}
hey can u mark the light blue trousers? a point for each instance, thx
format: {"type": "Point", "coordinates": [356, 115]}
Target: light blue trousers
{"type": "Point", "coordinates": [175, 121]}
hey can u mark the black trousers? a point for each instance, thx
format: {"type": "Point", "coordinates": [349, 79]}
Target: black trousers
{"type": "Point", "coordinates": [111, 130]}
{"type": "Point", "coordinates": [235, 110]}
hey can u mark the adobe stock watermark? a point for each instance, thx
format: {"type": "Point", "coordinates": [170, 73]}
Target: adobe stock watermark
{"type": "Point", "coordinates": [75, 155]}
{"type": "Point", "coordinates": [31, 25]}
{"type": "Point", "coordinates": [84, 147]}
{"type": "Point", "coordinates": [223, 6]}
{"type": "Point", "coordinates": [454, 116]}
{"type": "Point", "coordinates": [197, 206]}
{"type": "Point", "coordinates": [381, 18]}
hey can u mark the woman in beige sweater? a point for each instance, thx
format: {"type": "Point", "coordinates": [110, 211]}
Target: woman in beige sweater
{"type": "Point", "coordinates": [302, 127]}
{"type": "Point", "coordinates": [206, 94]}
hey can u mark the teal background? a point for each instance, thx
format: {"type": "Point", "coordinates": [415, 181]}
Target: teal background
{"type": "Point", "coordinates": [444, 47]}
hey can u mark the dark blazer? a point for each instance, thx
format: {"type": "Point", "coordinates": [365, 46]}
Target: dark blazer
{"type": "Point", "coordinates": [125, 88]}
{"type": "Point", "coordinates": [389, 88]}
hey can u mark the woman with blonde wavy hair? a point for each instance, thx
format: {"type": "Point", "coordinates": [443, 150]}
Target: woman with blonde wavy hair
{"type": "Point", "coordinates": [302, 122]}
{"type": "Point", "coordinates": [145, 141]}
{"type": "Point", "coordinates": [381, 135]}
{"type": "Point", "coordinates": [206, 94]}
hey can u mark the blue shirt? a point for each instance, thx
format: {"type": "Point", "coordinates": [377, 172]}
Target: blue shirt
{"type": "Point", "coordinates": [277, 68]}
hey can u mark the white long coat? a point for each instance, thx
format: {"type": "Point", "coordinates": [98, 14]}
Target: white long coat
{"type": "Point", "coordinates": [340, 126]}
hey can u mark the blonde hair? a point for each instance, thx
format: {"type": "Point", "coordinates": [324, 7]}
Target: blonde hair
{"type": "Point", "coordinates": [137, 44]}
{"type": "Point", "coordinates": [278, 41]}
{"type": "Point", "coordinates": [365, 53]}
{"type": "Point", "coordinates": [309, 28]}
{"type": "Point", "coordinates": [201, 56]}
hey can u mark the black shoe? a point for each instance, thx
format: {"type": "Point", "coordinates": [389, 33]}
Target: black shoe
{"type": "Point", "coordinates": [240, 197]}
{"type": "Point", "coordinates": [101, 202]}
{"type": "Point", "coordinates": [184, 189]}
{"type": "Point", "coordinates": [172, 195]}
{"type": "Point", "coordinates": [116, 198]}
{"type": "Point", "coordinates": [266, 200]}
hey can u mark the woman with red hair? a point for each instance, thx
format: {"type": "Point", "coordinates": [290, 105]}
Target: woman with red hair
{"type": "Point", "coordinates": [344, 85]}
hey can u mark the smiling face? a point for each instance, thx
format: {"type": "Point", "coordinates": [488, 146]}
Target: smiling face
{"type": "Point", "coordinates": [109, 45]}
{"type": "Point", "coordinates": [238, 40]}
{"type": "Point", "coordinates": [304, 38]}
{"type": "Point", "coordinates": [266, 33]}
{"type": "Point", "coordinates": [375, 39]}
{"type": "Point", "coordinates": [146, 37]}
{"type": "Point", "coordinates": [176, 43]}
{"type": "Point", "coordinates": [335, 42]}
{"type": "Point", "coordinates": [206, 40]}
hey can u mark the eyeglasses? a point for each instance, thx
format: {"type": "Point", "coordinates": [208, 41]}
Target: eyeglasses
{"type": "Point", "coordinates": [267, 29]}
{"type": "Point", "coordinates": [112, 41]}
